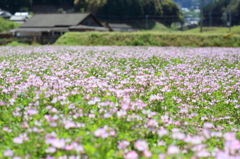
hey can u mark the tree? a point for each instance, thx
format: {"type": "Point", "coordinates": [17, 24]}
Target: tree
{"type": "Point", "coordinates": [15, 5]}
{"type": "Point", "coordinates": [118, 9]}
{"type": "Point", "coordinates": [235, 13]}
{"type": "Point", "coordinates": [88, 5]}
{"type": "Point", "coordinates": [220, 12]}
{"type": "Point", "coordinates": [122, 8]}
{"type": "Point", "coordinates": [152, 7]}
{"type": "Point", "coordinates": [24, 5]}
{"type": "Point", "coordinates": [171, 13]}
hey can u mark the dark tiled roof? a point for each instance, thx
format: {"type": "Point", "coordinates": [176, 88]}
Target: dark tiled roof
{"type": "Point", "coordinates": [79, 27]}
{"type": "Point", "coordinates": [52, 20]}
{"type": "Point", "coordinates": [64, 29]}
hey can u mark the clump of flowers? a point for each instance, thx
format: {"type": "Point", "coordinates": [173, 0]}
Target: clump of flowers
{"type": "Point", "coordinates": [59, 102]}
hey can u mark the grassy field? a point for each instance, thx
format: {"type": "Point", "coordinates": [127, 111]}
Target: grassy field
{"type": "Point", "coordinates": [215, 30]}
{"type": "Point", "coordinates": [66, 102]}
{"type": "Point", "coordinates": [149, 39]}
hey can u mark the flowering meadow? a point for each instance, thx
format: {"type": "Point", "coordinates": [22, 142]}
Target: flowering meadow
{"type": "Point", "coordinates": [61, 102]}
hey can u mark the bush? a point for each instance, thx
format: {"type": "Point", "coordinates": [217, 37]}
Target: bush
{"type": "Point", "coordinates": [6, 25]}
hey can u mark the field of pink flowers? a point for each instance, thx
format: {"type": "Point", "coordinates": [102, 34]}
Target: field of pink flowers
{"type": "Point", "coordinates": [119, 102]}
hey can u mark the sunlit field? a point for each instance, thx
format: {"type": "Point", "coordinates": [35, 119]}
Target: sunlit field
{"type": "Point", "coordinates": [61, 102]}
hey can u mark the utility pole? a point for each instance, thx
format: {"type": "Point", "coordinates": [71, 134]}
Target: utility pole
{"type": "Point", "coordinates": [146, 22]}
{"type": "Point", "coordinates": [201, 16]}
{"type": "Point", "coordinates": [230, 16]}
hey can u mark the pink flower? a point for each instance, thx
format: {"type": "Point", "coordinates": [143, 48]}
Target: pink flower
{"type": "Point", "coordinates": [49, 157]}
{"type": "Point", "coordinates": [79, 148]}
{"type": "Point", "coordinates": [141, 145]}
{"type": "Point", "coordinates": [152, 123]}
{"type": "Point", "coordinates": [2, 103]}
{"type": "Point", "coordinates": [112, 133]}
{"type": "Point", "coordinates": [7, 129]}
{"type": "Point", "coordinates": [196, 140]}
{"type": "Point", "coordinates": [85, 72]}
{"type": "Point", "coordinates": [203, 153]}
{"type": "Point", "coordinates": [50, 150]}
{"type": "Point", "coordinates": [147, 153]}
{"type": "Point", "coordinates": [208, 125]}
{"type": "Point", "coordinates": [32, 111]}
{"type": "Point", "coordinates": [18, 140]}
{"type": "Point", "coordinates": [91, 115]}
{"type": "Point", "coordinates": [121, 113]}
{"type": "Point", "coordinates": [229, 136]}
{"type": "Point", "coordinates": [8, 153]}
{"type": "Point", "coordinates": [173, 150]}
{"type": "Point", "coordinates": [131, 155]}
{"type": "Point", "coordinates": [69, 147]}
{"type": "Point", "coordinates": [125, 106]}
{"type": "Point", "coordinates": [177, 123]}
{"type": "Point", "coordinates": [178, 135]}
{"type": "Point", "coordinates": [162, 132]}
{"type": "Point", "coordinates": [69, 124]}
{"type": "Point", "coordinates": [232, 146]}
{"type": "Point", "coordinates": [101, 132]}
{"type": "Point", "coordinates": [123, 144]}
{"type": "Point", "coordinates": [161, 156]}
{"type": "Point", "coordinates": [58, 143]}
{"type": "Point", "coordinates": [221, 155]}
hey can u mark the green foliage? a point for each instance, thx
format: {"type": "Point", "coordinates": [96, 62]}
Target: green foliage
{"type": "Point", "coordinates": [15, 43]}
{"type": "Point", "coordinates": [166, 9]}
{"type": "Point", "coordinates": [171, 12]}
{"type": "Point", "coordinates": [215, 30]}
{"type": "Point", "coordinates": [235, 12]}
{"type": "Point", "coordinates": [88, 5]}
{"type": "Point", "coordinates": [122, 8]}
{"type": "Point", "coordinates": [15, 5]}
{"type": "Point", "coordinates": [6, 25]}
{"type": "Point", "coordinates": [53, 2]}
{"type": "Point", "coordinates": [25, 5]}
{"type": "Point", "coordinates": [220, 12]}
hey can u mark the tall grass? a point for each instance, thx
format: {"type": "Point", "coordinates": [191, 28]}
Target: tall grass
{"type": "Point", "coordinates": [148, 39]}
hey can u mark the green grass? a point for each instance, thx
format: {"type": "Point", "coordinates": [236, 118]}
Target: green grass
{"type": "Point", "coordinates": [6, 25]}
{"type": "Point", "coordinates": [15, 43]}
{"type": "Point", "coordinates": [156, 26]}
{"type": "Point", "coordinates": [148, 39]}
{"type": "Point", "coordinates": [215, 30]}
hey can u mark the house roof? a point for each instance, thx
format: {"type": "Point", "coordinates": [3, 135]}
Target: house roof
{"type": "Point", "coordinates": [84, 27]}
{"type": "Point", "coordinates": [63, 29]}
{"type": "Point", "coordinates": [53, 20]}
{"type": "Point", "coordinates": [18, 18]}
{"type": "Point", "coordinates": [21, 14]}
{"type": "Point", "coordinates": [5, 14]}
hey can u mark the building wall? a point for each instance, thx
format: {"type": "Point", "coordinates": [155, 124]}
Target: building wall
{"type": "Point", "coordinates": [89, 21]}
